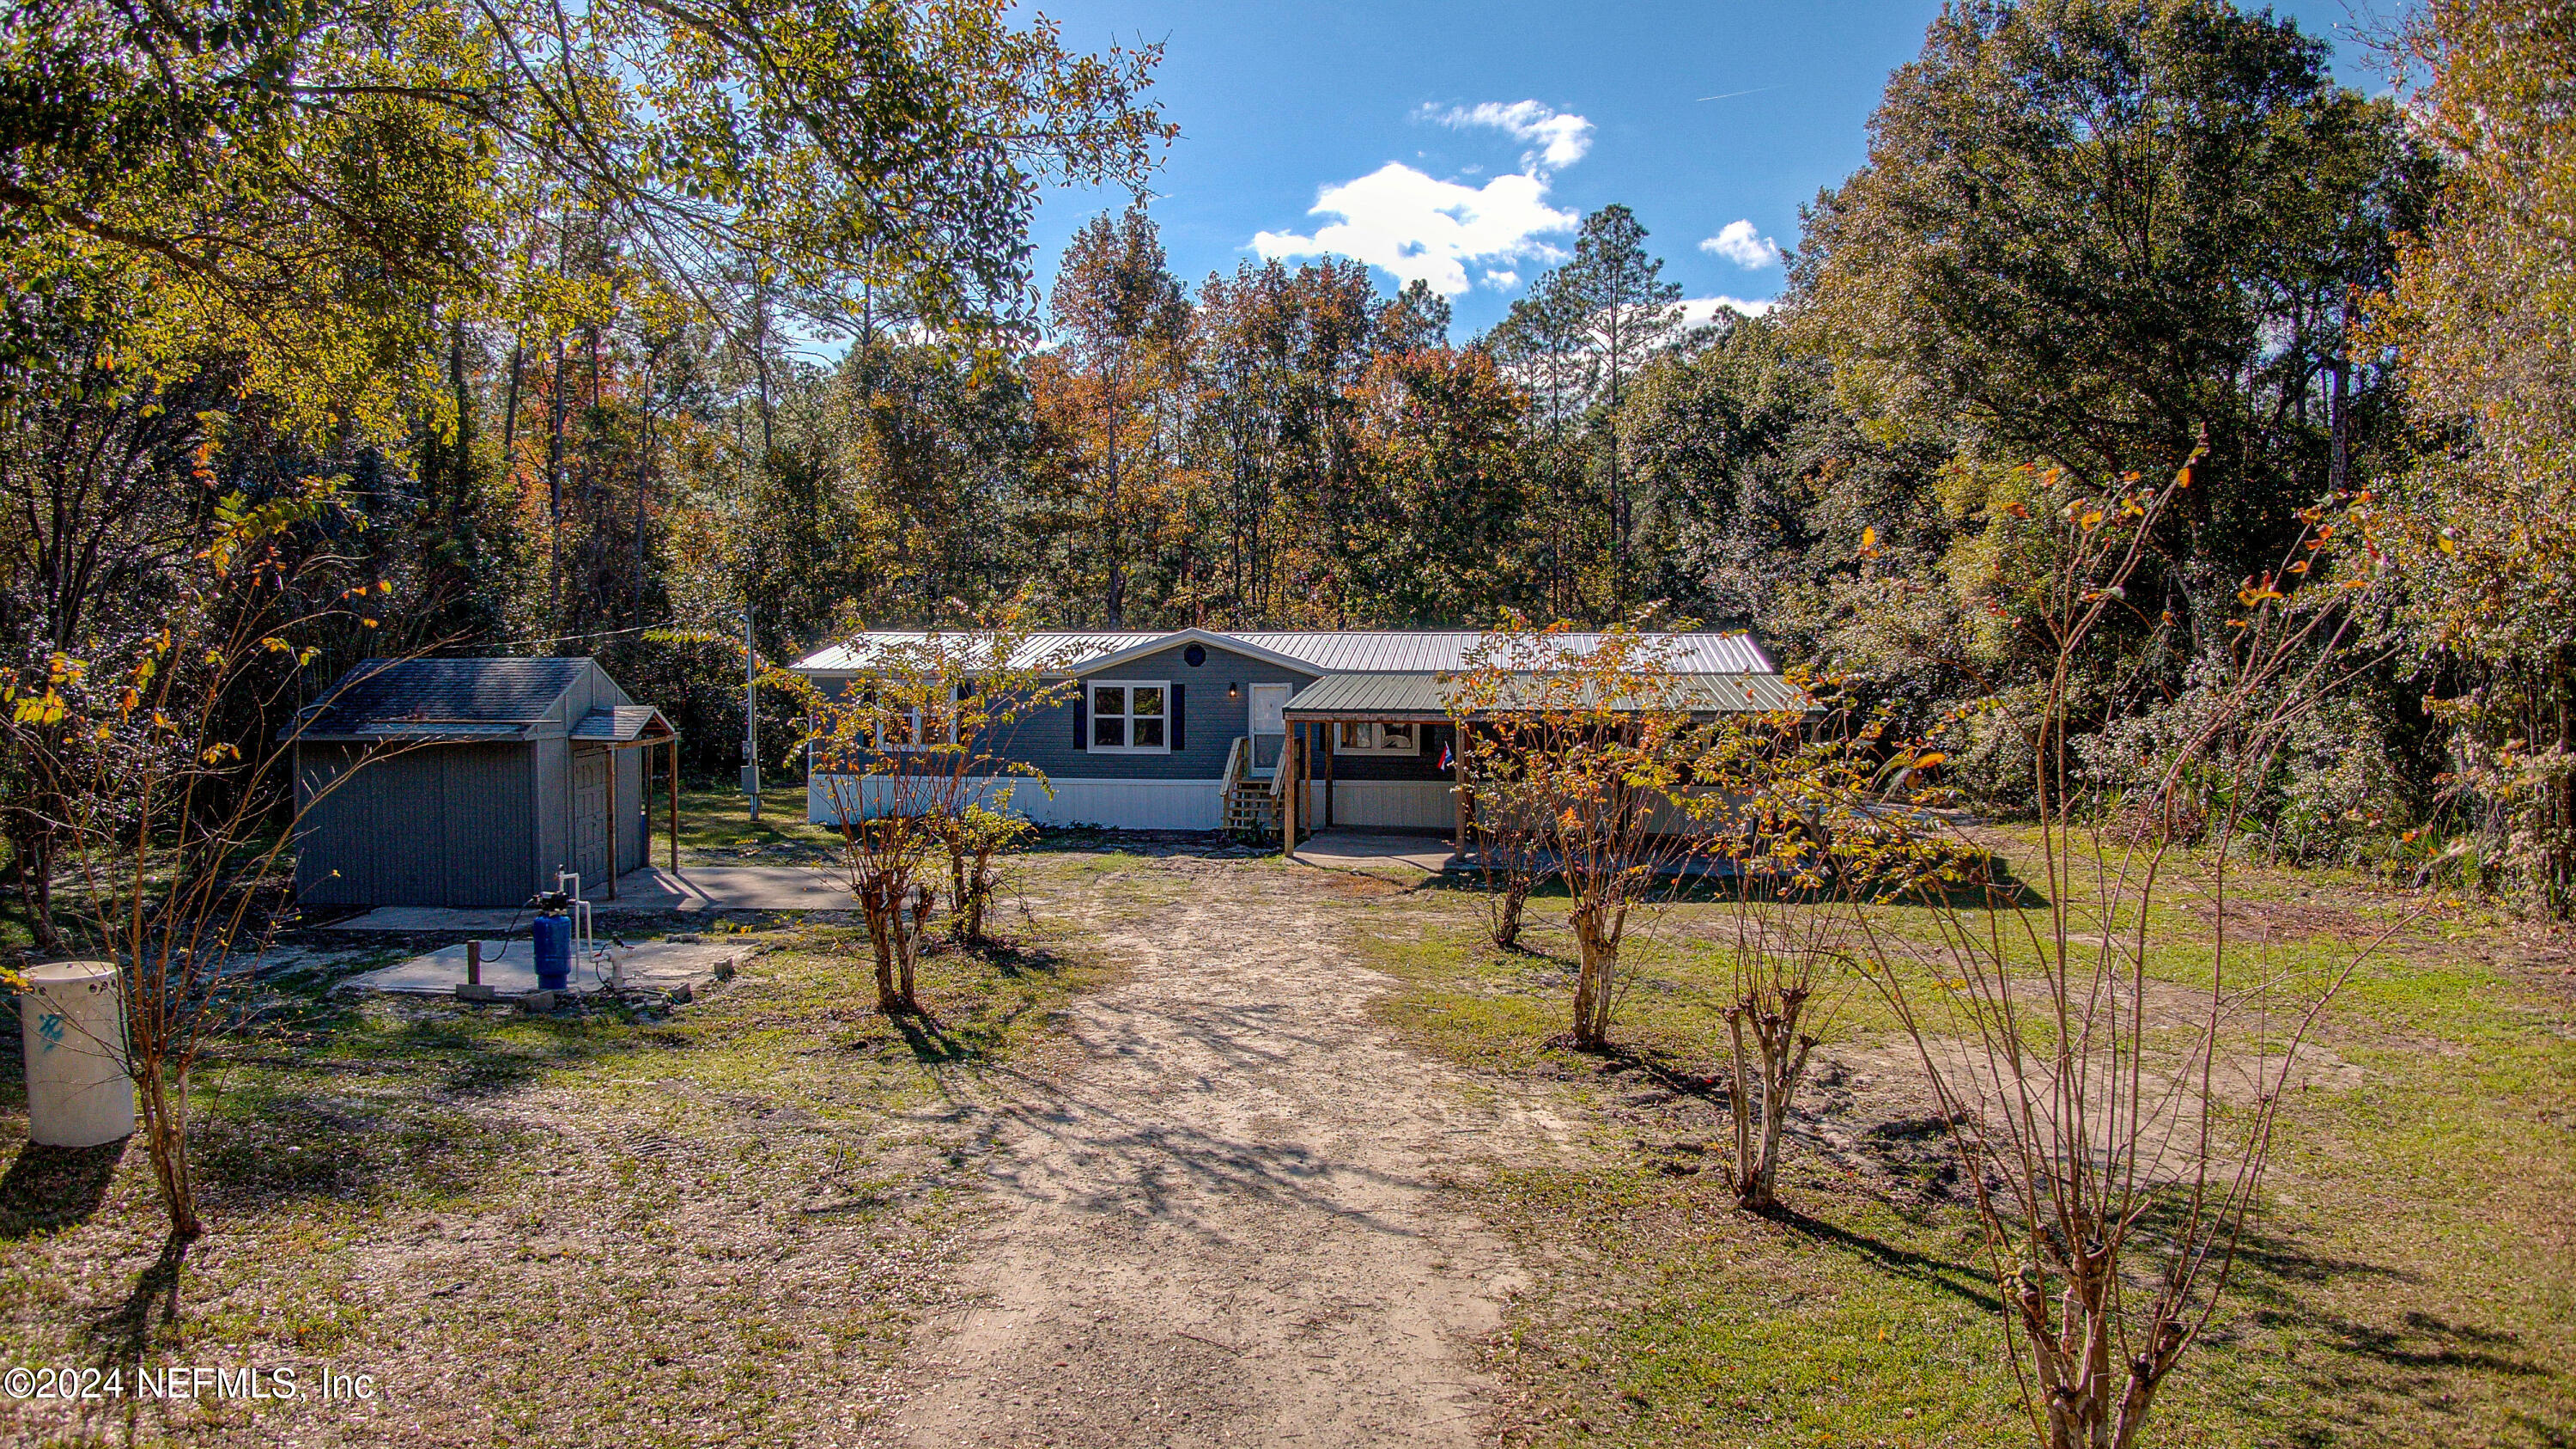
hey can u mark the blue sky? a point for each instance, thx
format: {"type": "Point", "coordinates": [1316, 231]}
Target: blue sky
{"type": "Point", "coordinates": [1514, 117]}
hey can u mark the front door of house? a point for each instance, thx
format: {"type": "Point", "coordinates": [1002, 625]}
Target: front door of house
{"type": "Point", "coordinates": [1269, 728]}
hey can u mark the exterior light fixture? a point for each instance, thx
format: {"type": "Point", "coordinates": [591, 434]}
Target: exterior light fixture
{"type": "Point", "coordinates": [1233, 690]}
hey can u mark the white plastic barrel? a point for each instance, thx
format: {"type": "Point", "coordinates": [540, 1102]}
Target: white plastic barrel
{"type": "Point", "coordinates": [78, 1094]}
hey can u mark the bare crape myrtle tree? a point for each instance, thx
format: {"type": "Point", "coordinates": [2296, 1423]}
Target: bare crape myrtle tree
{"type": "Point", "coordinates": [176, 841]}
{"type": "Point", "coordinates": [1589, 745]}
{"type": "Point", "coordinates": [1510, 830]}
{"type": "Point", "coordinates": [1786, 810]}
{"type": "Point", "coordinates": [2113, 1088]}
{"type": "Point", "coordinates": [918, 745]}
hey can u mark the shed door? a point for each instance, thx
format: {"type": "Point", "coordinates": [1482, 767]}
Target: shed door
{"type": "Point", "coordinates": [590, 820]}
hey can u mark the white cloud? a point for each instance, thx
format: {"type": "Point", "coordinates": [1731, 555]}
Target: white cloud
{"type": "Point", "coordinates": [1701, 311]}
{"type": "Point", "coordinates": [1413, 226]}
{"type": "Point", "coordinates": [1502, 279]}
{"type": "Point", "coordinates": [1560, 139]}
{"type": "Point", "coordinates": [1740, 244]}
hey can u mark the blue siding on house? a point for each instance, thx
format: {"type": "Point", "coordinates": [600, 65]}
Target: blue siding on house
{"type": "Point", "coordinates": [1210, 722]}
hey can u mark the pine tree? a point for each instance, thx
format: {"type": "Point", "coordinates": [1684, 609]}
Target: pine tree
{"type": "Point", "coordinates": [1418, 318]}
{"type": "Point", "coordinates": [1630, 313]}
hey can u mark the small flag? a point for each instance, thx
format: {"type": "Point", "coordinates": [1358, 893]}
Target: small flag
{"type": "Point", "coordinates": [1444, 757]}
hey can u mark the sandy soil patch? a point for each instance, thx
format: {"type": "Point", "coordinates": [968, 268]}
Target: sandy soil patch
{"type": "Point", "coordinates": [1226, 1219]}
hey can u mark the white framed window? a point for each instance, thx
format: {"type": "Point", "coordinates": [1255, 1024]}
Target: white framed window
{"type": "Point", "coordinates": [906, 732]}
{"type": "Point", "coordinates": [1373, 737]}
{"type": "Point", "coordinates": [1131, 716]}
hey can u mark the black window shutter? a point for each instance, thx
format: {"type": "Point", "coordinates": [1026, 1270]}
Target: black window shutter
{"type": "Point", "coordinates": [1180, 692]}
{"type": "Point", "coordinates": [1081, 715]}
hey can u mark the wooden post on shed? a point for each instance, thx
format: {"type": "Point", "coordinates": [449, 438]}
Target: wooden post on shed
{"type": "Point", "coordinates": [675, 802]}
{"type": "Point", "coordinates": [1288, 795]}
{"type": "Point", "coordinates": [615, 833]}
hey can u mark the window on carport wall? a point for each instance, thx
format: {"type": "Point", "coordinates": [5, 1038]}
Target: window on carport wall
{"type": "Point", "coordinates": [1377, 737]}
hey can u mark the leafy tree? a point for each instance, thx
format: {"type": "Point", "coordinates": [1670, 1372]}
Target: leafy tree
{"type": "Point", "coordinates": [1433, 528]}
{"type": "Point", "coordinates": [2087, 232]}
{"type": "Point", "coordinates": [1734, 446]}
{"type": "Point", "coordinates": [1123, 322]}
{"type": "Point", "coordinates": [1279, 361]}
{"type": "Point", "coordinates": [252, 149]}
{"type": "Point", "coordinates": [1418, 318]}
{"type": "Point", "coordinates": [1543, 345]}
{"type": "Point", "coordinates": [2482, 315]}
{"type": "Point", "coordinates": [262, 173]}
{"type": "Point", "coordinates": [1577, 342]}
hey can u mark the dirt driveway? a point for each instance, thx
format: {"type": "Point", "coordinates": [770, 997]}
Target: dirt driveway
{"type": "Point", "coordinates": [1223, 1220]}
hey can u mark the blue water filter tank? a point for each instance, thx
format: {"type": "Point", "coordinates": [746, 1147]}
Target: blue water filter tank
{"type": "Point", "coordinates": [554, 952]}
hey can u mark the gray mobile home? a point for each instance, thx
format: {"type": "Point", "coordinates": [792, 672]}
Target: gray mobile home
{"type": "Point", "coordinates": [471, 782]}
{"type": "Point", "coordinates": [1184, 729]}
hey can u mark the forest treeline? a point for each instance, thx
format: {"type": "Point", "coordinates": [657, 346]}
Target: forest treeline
{"type": "Point", "coordinates": [633, 320]}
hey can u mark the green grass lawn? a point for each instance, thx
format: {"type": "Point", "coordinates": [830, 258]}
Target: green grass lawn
{"type": "Point", "coordinates": [2411, 1278]}
{"type": "Point", "coordinates": [716, 828]}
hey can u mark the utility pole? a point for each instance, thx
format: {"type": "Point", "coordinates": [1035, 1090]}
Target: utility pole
{"type": "Point", "coordinates": [750, 717]}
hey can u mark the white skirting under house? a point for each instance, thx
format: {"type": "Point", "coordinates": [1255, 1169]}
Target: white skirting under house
{"type": "Point", "coordinates": [1118, 804]}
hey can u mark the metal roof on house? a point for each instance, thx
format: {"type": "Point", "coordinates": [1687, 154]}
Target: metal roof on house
{"type": "Point", "coordinates": [477, 697]}
{"type": "Point", "coordinates": [1427, 695]}
{"type": "Point", "coordinates": [1049, 649]}
{"type": "Point", "coordinates": [621, 723]}
{"type": "Point", "coordinates": [1379, 651]}
{"type": "Point", "coordinates": [1389, 651]}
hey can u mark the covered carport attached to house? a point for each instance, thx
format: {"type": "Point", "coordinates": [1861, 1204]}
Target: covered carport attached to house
{"type": "Point", "coordinates": [1393, 737]}
{"type": "Point", "coordinates": [1375, 752]}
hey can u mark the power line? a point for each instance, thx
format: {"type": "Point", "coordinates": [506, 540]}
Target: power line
{"type": "Point", "coordinates": [573, 638]}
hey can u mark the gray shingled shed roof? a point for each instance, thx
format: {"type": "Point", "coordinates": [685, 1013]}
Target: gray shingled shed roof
{"type": "Point", "coordinates": [1426, 695]}
{"type": "Point", "coordinates": [621, 723]}
{"type": "Point", "coordinates": [445, 698]}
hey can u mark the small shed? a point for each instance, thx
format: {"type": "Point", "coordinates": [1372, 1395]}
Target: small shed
{"type": "Point", "coordinates": [471, 782]}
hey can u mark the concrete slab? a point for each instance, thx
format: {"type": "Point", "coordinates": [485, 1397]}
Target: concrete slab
{"type": "Point", "coordinates": [658, 965]}
{"type": "Point", "coordinates": [698, 888]}
{"type": "Point", "coordinates": [1363, 850]}
{"type": "Point", "coordinates": [498, 921]}
{"type": "Point", "coordinates": [729, 887]}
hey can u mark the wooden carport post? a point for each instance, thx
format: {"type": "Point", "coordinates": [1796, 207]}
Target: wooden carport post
{"type": "Point", "coordinates": [1288, 760]}
{"type": "Point", "coordinates": [1324, 742]}
{"type": "Point", "coordinates": [674, 742]}
{"type": "Point", "coordinates": [1458, 762]}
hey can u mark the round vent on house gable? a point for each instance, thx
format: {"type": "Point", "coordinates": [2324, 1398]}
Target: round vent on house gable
{"type": "Point", "coordinates": [1194, 656]}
